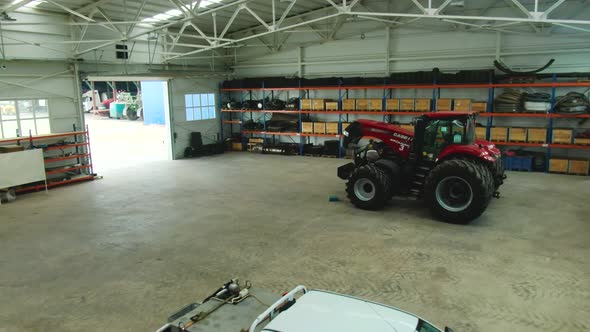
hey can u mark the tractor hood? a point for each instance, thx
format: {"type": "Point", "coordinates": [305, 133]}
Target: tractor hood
{"type": "Point", "coordinates": [325, 311]}
{"type": "Point", "coordinates": [489, 147]}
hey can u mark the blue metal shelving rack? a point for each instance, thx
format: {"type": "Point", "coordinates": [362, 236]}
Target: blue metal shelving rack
{"type": "Point", "coordinates": [388, 87]}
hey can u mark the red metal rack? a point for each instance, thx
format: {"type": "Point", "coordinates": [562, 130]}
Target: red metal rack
{"type": "Point", "coordinates": [545, 145]}
{"type": "Point", "coordinates": [435, 87]}
{"type": "Point", "coordinates": [270, 133]}
{"type": "Point", "coordinates": [79, 146]}
{"type": "Point", "coordinates": [324, 112]}
{"type": "Point", "coordinates": [421, 86]}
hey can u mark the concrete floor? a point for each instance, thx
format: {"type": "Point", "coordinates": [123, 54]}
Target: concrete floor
{"type": "Point", "coordinates": [122, 253]}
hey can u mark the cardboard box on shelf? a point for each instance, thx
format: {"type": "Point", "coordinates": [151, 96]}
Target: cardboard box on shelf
{"type": "Point", "coordinates": [479, 106]}
{"type": "Point", "coordinates": [562, 136]}
{"type": "Point", "coordinates": [331, 127]}
{"type": "Point", "coordinates": [375, 104]}
{"type": "Point", "coordinates": [348, 104]}
{"type": "Point", "coordinates": [307, 127]}
{"type": "Point", "coordinates": [406, 104]}
{"type": "Point", "coordinates": [444, 104]}
{"type": "Point", "coordinates": [537, 135]}
{"type": "Point", "coordinates": [579, 167]}
{"type": "Point", "coordinates": [319, 127]}
{"type": "Point", "coordinates": [499, 134]}
{"type": "Point", "coordinates": [517, 134]}
{"type": "Point", "coordinates": [392, 104]}
{"type": "Point", "coordinates": [331, 106]}
{"type": "Point", "coordinates": [462, 105]}
{"type": "Point", "coordinates": [362, 104]}
{"type": "Point", "coordinates": [558, 165]}
{"type": "Point", "coordinates": [318, 105]}
{"type": "Point", "coordinates": [306, 104]}
{"type": "Point", "coordinates": [423, 104]}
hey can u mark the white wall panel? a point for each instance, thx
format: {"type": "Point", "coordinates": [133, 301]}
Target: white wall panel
{"type": "Point", "coordinates": [414, 49]}
{"type": "Point", "coordinates": [209, 128]}
{"type": "Point", "coordinates": [53, 80]}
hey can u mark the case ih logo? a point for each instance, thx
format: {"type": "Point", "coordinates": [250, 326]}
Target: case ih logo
{"type": "Point", "coordinates": [405, 137]}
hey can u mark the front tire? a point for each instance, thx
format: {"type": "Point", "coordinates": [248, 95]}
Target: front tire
{"type": "Point", "coordinates": [457, 191]}
{"type": "Point", "coordinates": [369, 187]}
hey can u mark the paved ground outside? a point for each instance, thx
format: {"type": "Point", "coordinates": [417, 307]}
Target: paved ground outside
{"type": "Point", "coordinates": [120, 144]}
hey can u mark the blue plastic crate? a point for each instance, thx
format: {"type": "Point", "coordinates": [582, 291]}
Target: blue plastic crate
{"type": "Point", "coordinates": [518, 163]}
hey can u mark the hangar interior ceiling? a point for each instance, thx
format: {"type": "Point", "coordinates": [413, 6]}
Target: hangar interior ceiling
{"type": "Point", "coordinates": [221, 34]}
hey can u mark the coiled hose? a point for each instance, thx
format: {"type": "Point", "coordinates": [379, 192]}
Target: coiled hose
{"type": "Point", "coordinates": [572, 103]}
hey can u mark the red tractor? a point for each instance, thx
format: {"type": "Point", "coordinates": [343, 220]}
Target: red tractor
{"type": "Point", "coordinates": [441, 162]}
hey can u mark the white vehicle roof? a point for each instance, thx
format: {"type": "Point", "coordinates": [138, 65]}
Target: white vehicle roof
{"type": "Point", "coordinates": [325, 311]}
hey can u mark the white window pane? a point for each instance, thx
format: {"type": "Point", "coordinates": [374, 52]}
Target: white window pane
{"type": "Point", "coordinates": [10, 128]}
{"type": "Point", "coordinates": [211, 100]}
{"type": "Point", "coordinates": [198, 113]}
{"type": "Point", "coordinates": [212, 112]}
{"type": "Point", "coordinates": [189, 114]}
{"type": "Point", "coordinates": [188, 101]}
{"type": "Point", "coordinates": [8, 109]}
{"type": "Point", "coordinates": [27, 127]}
{"type": "Point", "coordinates": [25, 109]}
{"type": "Point", "coordinates": [204, 101]}
{"type": "Point", "coordinates": [40, 108]}
{"type": "Point", "coordinates": [43, 127]}
{"type": "Point", "coordinates": [197, 100]}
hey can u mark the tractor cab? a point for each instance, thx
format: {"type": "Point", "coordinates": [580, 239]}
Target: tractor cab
{"type": "Point", "coordinates": [436, 131]}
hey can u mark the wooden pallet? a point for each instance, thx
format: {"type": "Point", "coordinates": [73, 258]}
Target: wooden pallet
{"type": "Point", "coordinates": [540, 142]}
{"type": "Point", "coordinates": [582, 141]}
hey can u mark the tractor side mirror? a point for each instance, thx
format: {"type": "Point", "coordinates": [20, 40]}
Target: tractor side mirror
{"type": "Point", "coordinates": [448, 329]}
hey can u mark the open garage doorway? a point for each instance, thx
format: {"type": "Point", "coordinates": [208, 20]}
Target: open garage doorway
{"type": "Point", "coordinates": [128, 122]}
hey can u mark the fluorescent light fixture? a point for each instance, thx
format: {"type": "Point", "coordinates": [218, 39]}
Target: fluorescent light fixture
{"type": "Point", "coordinates": [174, 12]}
{"type": "Point", "coordinates": [162, 17]}
{"type": "Point", "coordinates": [34, 3]}
{"type": "Point", "coordinates": [30, 4]}
{"type": "Point", "coordinates": [206, 3]}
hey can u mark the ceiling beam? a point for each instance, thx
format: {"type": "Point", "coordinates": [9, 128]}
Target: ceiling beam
{"type": "Point", "coordinates": [552, 8]}
{"type": "Point", "coordinates": [137, 15]}
{"type": "Point", "coordinates": [477, 18]}
{"type": "Point", "coordinates": [73, 12]}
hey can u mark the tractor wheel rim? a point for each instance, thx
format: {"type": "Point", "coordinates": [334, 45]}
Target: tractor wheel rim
{"type": "Point", "coordinates": [454, 194]}
{"type": "Point", "coordinates": [364, 189]}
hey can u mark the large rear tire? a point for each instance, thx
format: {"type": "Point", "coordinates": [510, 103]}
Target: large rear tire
{"type": "Point", "coordinates": [369, 187]}
{"type": "Point", "coordinates": [457, 191]}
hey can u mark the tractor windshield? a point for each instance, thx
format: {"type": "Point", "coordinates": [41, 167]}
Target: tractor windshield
{"type": "Point", "coordinates": [470, 131]}
{"type": "Point", "coordinates": [440, 133]}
